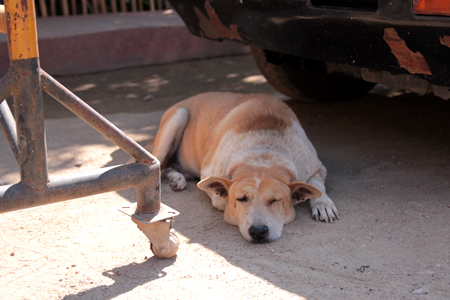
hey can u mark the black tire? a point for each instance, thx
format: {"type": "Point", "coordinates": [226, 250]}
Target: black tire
{"type": "Point", "coordinates": [288, 75]}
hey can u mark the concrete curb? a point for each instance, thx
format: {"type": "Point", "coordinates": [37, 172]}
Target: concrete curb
{"type": "Point", "coordinates": [94, 43]}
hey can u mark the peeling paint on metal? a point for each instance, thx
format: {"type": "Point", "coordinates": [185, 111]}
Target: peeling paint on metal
{"type": "Point", "coordinates": [414, 62]}
{"type": "Point", "coordinates": [445, 40]}
{"type": "Point", "coordinates": [212, 27]}
{"type": "Point", "coordinates": [24, 5]}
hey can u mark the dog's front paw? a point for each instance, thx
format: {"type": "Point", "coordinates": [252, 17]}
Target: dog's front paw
{"type": "Point", "coordinates": [176, 181]}
{"type": "Point", "coordinates": [324, 210]}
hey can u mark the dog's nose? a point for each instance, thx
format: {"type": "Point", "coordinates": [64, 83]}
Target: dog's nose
{"type": "Point", "coordinates": [258, 232]}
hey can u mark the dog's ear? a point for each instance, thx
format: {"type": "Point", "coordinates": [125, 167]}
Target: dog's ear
{"type": "Point", "coordinates": [215, 185]}
{"type": "Point", "coordinates": [302, 191]}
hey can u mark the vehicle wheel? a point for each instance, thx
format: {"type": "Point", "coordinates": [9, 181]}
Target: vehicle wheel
{"type": "Point", "coordinates": [307, 80]}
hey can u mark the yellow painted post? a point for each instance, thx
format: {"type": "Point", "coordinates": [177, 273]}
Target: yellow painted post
{"type": "Point", "coordinates": [22, 35]}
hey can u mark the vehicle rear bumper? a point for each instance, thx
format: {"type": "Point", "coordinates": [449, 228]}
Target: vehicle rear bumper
{"type": "Point", "coordinates": [388, 38]}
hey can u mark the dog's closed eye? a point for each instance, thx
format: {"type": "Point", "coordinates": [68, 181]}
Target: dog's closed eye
{"type": "Point", "coordinates": [242, 199]}
{"type": "Point", "coordinates": [274, 201]}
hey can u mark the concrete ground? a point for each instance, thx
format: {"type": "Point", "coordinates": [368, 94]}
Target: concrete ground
{"type": "Point", "coordinates": [388, 174]}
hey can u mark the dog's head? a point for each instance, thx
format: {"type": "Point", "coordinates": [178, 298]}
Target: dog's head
{"type": "Point", "coordinates": [259, 205]}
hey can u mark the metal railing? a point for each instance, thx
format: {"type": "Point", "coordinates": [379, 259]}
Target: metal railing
{"type": "Point", "coordinates": [25, 132]}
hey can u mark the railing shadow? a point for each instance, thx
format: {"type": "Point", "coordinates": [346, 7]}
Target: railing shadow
{"type": "Point", "coordinates": [135, 274]}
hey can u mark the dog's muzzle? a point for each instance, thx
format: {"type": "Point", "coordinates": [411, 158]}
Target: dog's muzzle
{"type": "Point", "coordinates": [258, 233]}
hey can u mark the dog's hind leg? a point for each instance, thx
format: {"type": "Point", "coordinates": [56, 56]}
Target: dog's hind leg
{"type": "Point", "coordinates": [166, 144]}
{"type": "Point", "coordinates": [169, 134]}
{"type": "Point", "coordinates": [149, 146]}
{"type": "Point", "coordinates": [176, 176]}
{"type": "Point", "coordinates": [176, 180]}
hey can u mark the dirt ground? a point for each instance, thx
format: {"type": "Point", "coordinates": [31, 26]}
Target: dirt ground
{"type": "Point", "coordinates": [388, 164]}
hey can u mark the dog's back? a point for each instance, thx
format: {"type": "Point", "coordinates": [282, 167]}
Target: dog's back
{"type": "Point", "coordinates": [213, 115]}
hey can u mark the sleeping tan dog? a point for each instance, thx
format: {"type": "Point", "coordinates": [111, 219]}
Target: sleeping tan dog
{"type": "Point", "coordinates": [252, 156]}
